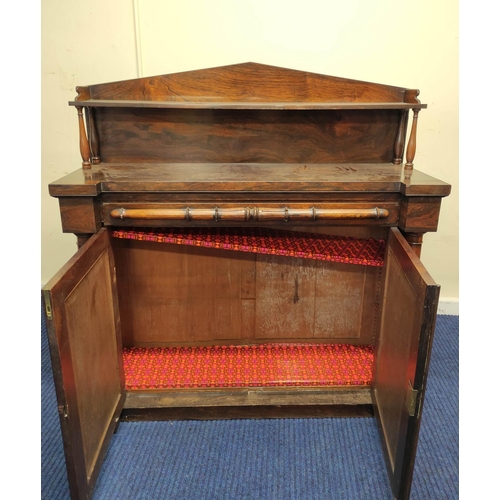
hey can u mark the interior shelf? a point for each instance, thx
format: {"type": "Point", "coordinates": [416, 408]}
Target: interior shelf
{"type": "Point", "coordinates": [259, 365]}
{"type": "Point", "coordinates": [258, 105]}
{"type": "Point", "coordinates": [348, 250]}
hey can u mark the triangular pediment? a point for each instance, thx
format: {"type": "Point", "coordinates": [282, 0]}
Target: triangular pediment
{"type": "Point", "coordinates": [246, 82]}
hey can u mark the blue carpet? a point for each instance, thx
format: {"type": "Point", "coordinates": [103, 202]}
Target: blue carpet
{"type": "Point", "coordinates": [296, 459]}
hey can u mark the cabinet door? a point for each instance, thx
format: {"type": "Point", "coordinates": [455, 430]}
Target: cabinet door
{"type": "Point", "coordinates": [83, 327]}
{"type": "Point", "coordinates": [402, 356]}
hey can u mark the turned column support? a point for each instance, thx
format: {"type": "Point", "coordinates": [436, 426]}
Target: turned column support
{"type": "Point", "coordinates": [81, 239]}
{"type": "Point", "coordinates": [92, 136]}
{"type": "Point", "coordinates": [399, 145]}
{"type": "Point", "coordinates": [84, 142]}
{"type": "Point", "coordinates": [412, 142]}
{"type": "Point", "coordinates": [415, 240]}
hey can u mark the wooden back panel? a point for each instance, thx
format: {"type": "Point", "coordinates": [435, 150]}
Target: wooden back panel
{"type": "Point", "coordinates": [246, 82]}
{"type": "Point", "coordinates": [243, 113]}
{"type": "Point", "coordinates": [260, 136]}
{"type": "Point", "coordinates": [314, 300]}
{"type": "Point", "coordinates": [175, 295]}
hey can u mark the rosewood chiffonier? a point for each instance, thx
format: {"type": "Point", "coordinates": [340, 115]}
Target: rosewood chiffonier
{"type": "Point", "coordinates": [248, 246]}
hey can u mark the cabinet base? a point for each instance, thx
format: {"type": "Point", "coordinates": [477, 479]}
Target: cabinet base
{"type": "Point", "coordinates": [246, 412]}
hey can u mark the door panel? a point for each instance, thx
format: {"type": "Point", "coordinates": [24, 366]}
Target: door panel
{"type": "Point", "coordinates": [85, 344]}
{"type": "Point", "coordinates": [402, 355]}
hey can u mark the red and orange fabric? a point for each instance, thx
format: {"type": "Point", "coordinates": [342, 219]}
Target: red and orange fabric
{"type": "Point", "coordinates": [349, 250]}
{"type": "Point", "coordinates": [263, 365]}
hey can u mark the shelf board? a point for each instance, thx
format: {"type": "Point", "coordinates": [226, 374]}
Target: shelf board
{"type": "Point", "coordinates": [246, 178]}
{"type": "Point", "coordinates": [250, 105]}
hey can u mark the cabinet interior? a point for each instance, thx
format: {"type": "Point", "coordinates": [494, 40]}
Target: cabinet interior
{"type": "Point", "coordinates": [195, 317]}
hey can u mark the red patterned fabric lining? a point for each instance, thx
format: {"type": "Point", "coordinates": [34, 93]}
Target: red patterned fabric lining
{"type": "Point", "coordinates": [368, 252]}
{"type": "Point", "coordinates": [263, 365]}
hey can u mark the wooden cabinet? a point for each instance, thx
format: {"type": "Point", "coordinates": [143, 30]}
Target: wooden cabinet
{"type": "Point", "coordinates": [243, 211]}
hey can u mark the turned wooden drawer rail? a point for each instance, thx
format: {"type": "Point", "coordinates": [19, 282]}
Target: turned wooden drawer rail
{"type": "Point", "coordinates": [246, 214]}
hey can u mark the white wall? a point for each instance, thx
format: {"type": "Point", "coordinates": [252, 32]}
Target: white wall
{"type": "Point", "coordinates": [402, 43]}
{"type": "Point", "coordinates": [82, 43]}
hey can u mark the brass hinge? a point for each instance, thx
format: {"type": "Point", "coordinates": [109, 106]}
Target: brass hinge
{"type": "Point", "coordinates": [411, 400]}
{"type": "Point", "coordinates": [48, 305]}
{"type": "Point", "coordinates": [63, 410]}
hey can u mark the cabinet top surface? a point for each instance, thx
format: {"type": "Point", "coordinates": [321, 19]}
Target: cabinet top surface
{"type": "Point", "coordinates": [246, 177]}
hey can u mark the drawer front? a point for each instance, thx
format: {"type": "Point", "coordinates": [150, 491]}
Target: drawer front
{"type": "Point", "coordinates": [204, 214]}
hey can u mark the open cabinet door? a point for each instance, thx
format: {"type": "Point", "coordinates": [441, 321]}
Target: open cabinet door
{"type": "Point", "coordinates": [402, 357]}
{"type": "Point", "coordinates": [83, 326]}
